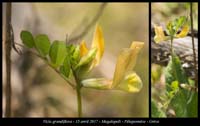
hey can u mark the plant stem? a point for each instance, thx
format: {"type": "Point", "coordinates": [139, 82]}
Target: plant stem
{"type": "Point", "coordinates": [193, 46]}
{"type": "Point", "coordinates": [171, 49]}
{"type": "Point", "coordinates": [8, 47]}
{"type": "Point", "coordinates": [78, 92]}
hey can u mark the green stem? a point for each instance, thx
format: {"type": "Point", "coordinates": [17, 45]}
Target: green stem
{"type": "Point", "coordinates": [171, 46]}
{"type": "Point", "coordinates": [78, 92]}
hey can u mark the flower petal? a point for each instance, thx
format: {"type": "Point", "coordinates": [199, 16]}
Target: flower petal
{"type": "Point", "coordinates": [160, 36]}
{"type": "Point", "coordinates": [183, 32]}
{"type": "Point", "coordinates": [126, 61]}
{"type": "Point", "coordinates": [97, 83]}
{"type": "Point", "coordinates": [98, 42]}
{"type": "Point", "coordinates": [120, 68]}
{"type": "Point", "coordinates": [131, 83]}
{"type": "Point", "coordinates": [136, 46]}
{"type": "Point", "coordinates": [83, 49]}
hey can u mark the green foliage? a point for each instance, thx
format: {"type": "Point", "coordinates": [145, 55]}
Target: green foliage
{"type": "Point", "coordinates": [179, 73]}
{"type": "Point", "coordinates": [62, 57]}
{"type": "Point", "coordinates": [75, 57]}
{"type": "Point", "coordinates": [174, 71]}
{"type": "Point", "coordinates": [42, 44]}
{"type": "Point", "coordinates": [174, 26]}
{"type": "Point", "coordinates": [192, 105]}
{"type": "Point", "coordinates": [179, 104]}
{"type": "Point", "coordinates": [181, 99]}
{"type": "Point", "coordinates": [179, 22]}
{"type": "Point", "coordinates": [65, 68]}
{"type": "Point", "coordinates": [156, 111]}
{"type": "Point", "coordinates": [57, 53]}
{"type": "Point", "coordinates": [179, 94]}
{"type": "Point", "coordinates": [27, 39]}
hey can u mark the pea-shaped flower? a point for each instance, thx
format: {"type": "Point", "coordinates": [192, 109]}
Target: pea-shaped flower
{"type": "Point", "coordinates": [124, 77]}
{"type": "Point", "coordinates": [91, 58]}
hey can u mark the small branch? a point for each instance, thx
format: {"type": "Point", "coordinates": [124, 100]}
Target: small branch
{"type": "Point", "coordinates": [193, 47]}
{"type": "Point", "coordinates": [68, 81]}
{"type": "Point", "coordinates": [8, 43]}
{"type": "Point", "coordinates": [13, 41]}
{"type": "Point", "coordinates": [88, 27]}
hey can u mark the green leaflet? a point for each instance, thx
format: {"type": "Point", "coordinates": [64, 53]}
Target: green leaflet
{"type": "Point", "coordinates": [27, 39]}
{"type": "Point", "coordinates": [75, 55]}
{"type": "Point", "coordinates": [179, 22]}
{"type": "Point", "coordinates": [156, 112]}
{"type": "Point", "coordinates": [57, 53]}
{"type": "Point", "coordinates": [179, 104]}
{"type": "Point", "coordinates": [42, 44]}
{"type": "Point", "coordinates": [174, 71]}
{"type": "Point", "coordinates": [175, 76]}
{"type": "Point", "coordinates": [175, 25]}
{"type": "Point", "coordinates": [192, 105]}
{"type": "Point", "coordinates": [66, 68]}
{"type": "Point", "coordinates": [179, 72]}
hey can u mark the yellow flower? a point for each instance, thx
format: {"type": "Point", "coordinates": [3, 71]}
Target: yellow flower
{"type": "Point", "coordinates": [160, 36]}
{"type": "Point", "coordinates": [183, 32]}
{"type": "Point", "coordinates": [124, 77]}
{"type": "Point", "coordinates": [98, 42]}
{"type": "Point", "coordinates": [97, 49]}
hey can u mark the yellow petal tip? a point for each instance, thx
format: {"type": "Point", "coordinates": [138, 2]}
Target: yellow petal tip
{"type": "Point", "coordinates": [83, 49]}
{"type": "Point", "coordinates": [98, 42]}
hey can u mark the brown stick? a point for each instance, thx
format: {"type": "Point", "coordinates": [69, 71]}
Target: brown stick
{"type": "Point", "coordinates": [8, 46]}
{"type": "Point", "coordinates": [193, 47]}
{"type": "Point", "coordinates": [87, 28]}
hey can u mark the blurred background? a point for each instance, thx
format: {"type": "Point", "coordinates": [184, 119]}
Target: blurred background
{"type": "Point", "coordinates": [39, 92]}
{"type": "Point", "coordinates": [161, 13]}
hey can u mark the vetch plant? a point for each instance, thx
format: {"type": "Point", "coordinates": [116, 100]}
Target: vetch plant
{"type": "Point", "coordinates": [180, 99]}
{"type": "Point", "coordinates": [173, 30]}
{"type": "Point", "coordinates": [74, 62]}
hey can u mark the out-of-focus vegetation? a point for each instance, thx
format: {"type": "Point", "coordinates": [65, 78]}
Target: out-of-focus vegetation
{"type": "Point", "coordinates": [38, 91]}
{"type": "Point", "coordinates": [173, 94]}
{"type": "Point", "coordinates": [163, 12]}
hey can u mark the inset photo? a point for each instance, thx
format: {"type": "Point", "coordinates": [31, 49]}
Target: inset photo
{"type": "Point", "coordinates": [174, 60]}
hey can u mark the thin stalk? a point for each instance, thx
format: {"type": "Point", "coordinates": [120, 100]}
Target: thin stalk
{"type": "Point", "coordinates": [193, 46]}
{"type": "Point", "coordinates": [78, 92]}
{"type": "Point", "coordinates": [8, 46]}
{"type": "Point", "coordinates": [171, 49]}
